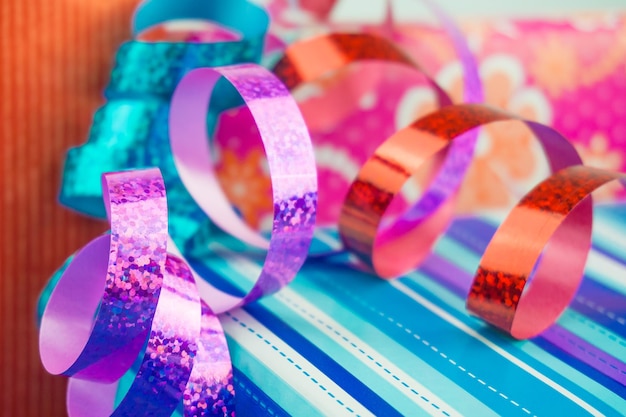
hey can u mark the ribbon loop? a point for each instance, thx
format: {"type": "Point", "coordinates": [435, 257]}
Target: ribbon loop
{"type": "Point", "coordinates": [400, 247]}
{"type": "Point", "coordinates": [290, 159]}
{"type": "Point", "coordinates": [549, 231]}
{"type": "Point", "coordinates": [123, 290]}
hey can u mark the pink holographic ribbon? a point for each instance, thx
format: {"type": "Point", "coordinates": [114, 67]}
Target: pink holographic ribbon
{"type": "Point", "coordinates": [150, 294]}
{"type": "Point", "coordinates": [291, 164]}
{"type": "Point", "coordinates": [147, 294]}
{"type": "Point", "coordinates": [122, 274]}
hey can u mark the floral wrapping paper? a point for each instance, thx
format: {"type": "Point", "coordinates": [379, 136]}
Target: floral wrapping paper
{"type": "Point", "coordinates": [56, 59]}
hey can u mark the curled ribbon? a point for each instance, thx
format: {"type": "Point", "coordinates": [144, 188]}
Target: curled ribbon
{"type": "Point", "coordinates": [307, 60]}
{"type": "Point", "coordinates": [152, 294]}
{"type": "Point", "coordinates": [143, 294]}
{"type": "Point", "coordinates": [396, 249]}
{"type": "Point", "coordinates": [534, 263]}
{"type": "Point", "coordinates": [290, 158]}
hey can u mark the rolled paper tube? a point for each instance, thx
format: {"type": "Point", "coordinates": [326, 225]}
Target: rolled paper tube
{"type": "Point", "coordinates": [400, 247]}
{"type": "Point", "coordinates": [118, 276]}
{"type": "Point", "coordinates": [534, 263]}
{"type": "Point", "coordinates": [126, 132]}
{"type": "Point", "coordinates": [291, 164]}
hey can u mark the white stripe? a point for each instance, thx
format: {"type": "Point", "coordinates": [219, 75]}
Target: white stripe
{"type": "Point", "coordinates": [468, 330]}
{"type": "Point", "coordinates": [286, 367]}
{"type": "Point", "coordinates": [608, 230]}
{"type": "Point", "coordinates": [337, 332]}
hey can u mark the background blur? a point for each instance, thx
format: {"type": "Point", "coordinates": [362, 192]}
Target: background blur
{"type": "Point", "coordinates": [55, 59]}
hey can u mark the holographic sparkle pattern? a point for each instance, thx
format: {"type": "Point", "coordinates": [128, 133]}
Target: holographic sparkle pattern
{"type": "Point", "coordinates": [129, 286]}
{"type": "Point", "coordinates": [130, 131]}
{"type": "Point", "coordinates": [401, 156]}
{"type": "Point", "coordinates": [148, 295]}
{"type": "Point", "coordinates": [210, 390]}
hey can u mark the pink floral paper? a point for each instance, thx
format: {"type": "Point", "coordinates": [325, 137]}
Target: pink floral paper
{"type": "Point", "coordinates": [568, 73]}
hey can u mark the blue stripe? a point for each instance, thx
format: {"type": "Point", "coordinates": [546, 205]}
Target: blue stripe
{"type": "Point", "coordinates": [251, 400]}
{"type": "Point", "coordinates": [561, 378]}
{"type": "Point", "coordinates": [389, 389]}
{"type": "Point", "coordinates": [322, 361]}
{"type": "Point", "coordinates": [610, 301]}
{"type": "Point", "coordinates": [568, 377]}
{"type": "Point", "coordinates": [582, 367]}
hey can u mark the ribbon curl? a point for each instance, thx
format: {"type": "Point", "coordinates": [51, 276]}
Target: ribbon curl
{"type": "Point", "coordinates": [153, 294]}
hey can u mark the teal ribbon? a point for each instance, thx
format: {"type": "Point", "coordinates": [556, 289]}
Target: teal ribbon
{"type": "Point", "coordinates": [130, 130]}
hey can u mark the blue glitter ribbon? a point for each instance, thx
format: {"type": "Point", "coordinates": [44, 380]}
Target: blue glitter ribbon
{"type": "Point", "coordinates": [131, 130]}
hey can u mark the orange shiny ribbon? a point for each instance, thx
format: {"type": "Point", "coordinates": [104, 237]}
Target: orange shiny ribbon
{"type": "Point", "coordinates": [394, 250]}
{"type": "Point", "coordinates": [310, 59]}
{"type": "Point", "coordinates": [534, 263]}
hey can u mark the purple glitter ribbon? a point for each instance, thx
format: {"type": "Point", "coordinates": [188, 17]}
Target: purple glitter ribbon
{"type": "Point", "coordinates": [291, 164]}
{"type": "Point", "coordinates": [150, 294]}
{"type": "Point", "coordinates": [147, 294]}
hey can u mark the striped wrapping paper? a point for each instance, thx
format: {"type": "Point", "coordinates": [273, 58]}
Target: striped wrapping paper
{"type": "Point", "coordinates": [338, 342]}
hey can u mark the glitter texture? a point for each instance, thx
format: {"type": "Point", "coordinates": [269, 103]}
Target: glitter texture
{"type": "Point", "coordinates": [131, 129]}
{"type": "Point", "coordinates": [210, 390]}
{"type": "Point", "coordinates": [131, 282]}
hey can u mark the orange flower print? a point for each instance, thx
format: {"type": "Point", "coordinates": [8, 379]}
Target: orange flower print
{"type": "Point", "coordinates": [597, 154]}
{"type": "Point", "coordinates": [507, 160]}
{"type": "Point", "coordinates": [246, 184]}
{"type": "Point", "coordinates": [555, 65]}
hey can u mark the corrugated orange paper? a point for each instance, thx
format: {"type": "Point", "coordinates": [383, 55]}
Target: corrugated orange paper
{"type": "Point", "coordinates": [55, 59]}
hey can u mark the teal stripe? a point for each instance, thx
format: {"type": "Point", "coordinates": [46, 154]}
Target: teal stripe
{"type": "Point", "coordinates": [505, 343]}
{"type": "Point", "coordinates": [468, 260]}
{"type": "Point", "coordinates": [266, 379]}
{"type": "Point", "coordinates": [436, 328]}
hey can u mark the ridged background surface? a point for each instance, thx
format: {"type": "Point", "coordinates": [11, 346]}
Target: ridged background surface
{"type": "Point", "coordinates": [55, 59]}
